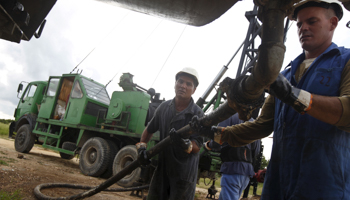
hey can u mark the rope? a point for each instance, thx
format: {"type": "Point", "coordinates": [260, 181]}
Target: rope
{"type": "Point", "coordinates": [101, 41]}
{"type": "Point", "coordinates": [169, 55]}
{"type": "Point", "coordinates": [135, 52]}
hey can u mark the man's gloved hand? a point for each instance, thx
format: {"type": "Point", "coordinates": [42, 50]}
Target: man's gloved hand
{"type": "Point", "coordinates": [185, 144]}
{"type": "Point", "coordinates": [299, 99]}
{"type": "Point", "coordinates": [202, 130]}
{"type": "Point", "coordinates": [217, 133]}
{"type": "Point", "coordinates": [213, 132]}
{"type": "Point", "coordinates": [142, 156]}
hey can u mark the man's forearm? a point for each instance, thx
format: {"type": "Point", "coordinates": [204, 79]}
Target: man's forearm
{"type": "Point", "coordinates": [326, 109]}
{"type": "Point", "coordinates": [146, 136]}
{"type": "Point", "coordinates": [195, 148]}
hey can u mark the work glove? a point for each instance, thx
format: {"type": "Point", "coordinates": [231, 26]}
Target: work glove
{"type": "Point", "coordinates": [213, 132]}
{"type": "Point", "coordinates": [185, 144]}
{"type": "Point", "coordinates": [198, 128]}
{"type": "Point", "coordinates": [300, 100]}
{"type": "Point", "coordinates": [142, 155]}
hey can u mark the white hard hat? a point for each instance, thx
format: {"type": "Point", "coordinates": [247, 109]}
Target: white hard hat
{"type": "Point", "coordinates": [332, 4]}
{"type": "Point", "coordinates": [190, 71]}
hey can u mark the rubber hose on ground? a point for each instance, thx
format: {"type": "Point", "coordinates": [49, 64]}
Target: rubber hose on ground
{"type": "Point", "coordinates": [41, 196]}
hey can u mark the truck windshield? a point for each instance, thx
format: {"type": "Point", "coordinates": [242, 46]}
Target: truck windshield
{"type": "Point", "coordinates": [32, 90]}
{"type": "Point", "coordinates": [96, 91]}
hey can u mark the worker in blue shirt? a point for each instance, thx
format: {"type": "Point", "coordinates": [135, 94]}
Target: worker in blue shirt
{"type": "Point", "coordinates": [237, 167]}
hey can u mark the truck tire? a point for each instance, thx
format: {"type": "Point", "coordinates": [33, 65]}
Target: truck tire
{"type": "Point", "coordinates": [24, 140]}
{"type": "Point", "coordinates": [114, 150]}
{"type": "Point", "coordinates": [123, 158]}
{"type": "Point", "coordinates": [94, 157]}
{"type": "Point", "coordinates": [68, 146]}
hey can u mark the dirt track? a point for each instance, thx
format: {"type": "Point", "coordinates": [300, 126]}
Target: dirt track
{"type": "Point", "coordinates": [43, 166]}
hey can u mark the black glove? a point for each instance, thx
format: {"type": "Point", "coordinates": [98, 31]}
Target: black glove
{"type": "Point", "coordinates": [185, 144]}
{"type": "Point", "coordinates": [142, 156]}
{"type": "Point", "coordinates": [298, 99]}
{"type": "Point", "coordinates": [205, 131]}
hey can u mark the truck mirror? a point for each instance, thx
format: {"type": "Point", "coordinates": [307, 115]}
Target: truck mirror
{"type": "Point", "coordinates": [20, 88]}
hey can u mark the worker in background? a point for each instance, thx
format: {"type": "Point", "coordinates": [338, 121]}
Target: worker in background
{"type": "Point", "coordinates": [237, 167]}
{"type": "Point", "coordinates": [308, 110]}
{"type": "Point", "coordinates": [176, 174]}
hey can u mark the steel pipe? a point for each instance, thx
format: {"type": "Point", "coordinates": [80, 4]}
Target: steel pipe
{"type": "Point", "coordinates": [271, 51]}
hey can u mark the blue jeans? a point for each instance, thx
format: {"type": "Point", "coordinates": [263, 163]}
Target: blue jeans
{"type": "Point", "coordinates": [232, 186]}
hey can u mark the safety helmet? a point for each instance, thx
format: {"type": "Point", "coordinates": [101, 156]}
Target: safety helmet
{"type": "Point", "coordinates": [189, 71]}
{"type": "Point", "coordinates": [332, 4]}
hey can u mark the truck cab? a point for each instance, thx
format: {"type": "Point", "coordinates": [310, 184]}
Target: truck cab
{"type": "Point", "coordinates": [74, 99]}
{"type": "Point", "coordinates": [28, 105]}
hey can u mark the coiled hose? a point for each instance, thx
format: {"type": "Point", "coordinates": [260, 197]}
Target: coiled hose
{"type": "Point", "coordinates": [41, 196]}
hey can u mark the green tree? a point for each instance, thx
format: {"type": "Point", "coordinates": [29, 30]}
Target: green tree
{"type": "Point", "coordinates": [6, 121]}
{"type": "Point", "coordinates": [264, 162]}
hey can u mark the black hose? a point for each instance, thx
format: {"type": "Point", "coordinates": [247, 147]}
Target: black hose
{"type": "Point", "coordinates": [93, 190]}
{"type": "Point", "coordinates": [39, 195]}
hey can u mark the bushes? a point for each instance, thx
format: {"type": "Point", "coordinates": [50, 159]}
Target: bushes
{"type": "Point", "coordinates": [6, 121]}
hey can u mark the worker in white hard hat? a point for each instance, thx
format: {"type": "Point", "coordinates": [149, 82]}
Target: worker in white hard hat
{"type": "Point", "coordinates": [308, 110]}
{"type": "Point", "coordinates": [176, 173]}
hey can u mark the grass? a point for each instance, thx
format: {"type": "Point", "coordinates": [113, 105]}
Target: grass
{"type": "Point", "coordinates": [259, 189]}
{"type": "Point", "coordinates": [11, 160]}
{"type": "Point", "coordinates": [16, 195]}
{"type": "Point", "coordinates": [4, 129]}
{"type": "Point", "coordinates": [206, 183]}
{"type": "Point", "coordinates": [2, 162]}
{"type": "Point", "coordinates": [5, 161]}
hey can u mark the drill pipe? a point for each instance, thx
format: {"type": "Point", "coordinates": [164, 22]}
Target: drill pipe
{"type": "Point", "coordinates": [221, 113]}
{"type": "Point", "coordinates": [271, 52]}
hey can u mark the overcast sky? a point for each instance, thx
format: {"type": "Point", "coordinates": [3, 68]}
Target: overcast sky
{"type": "Point", "coordinates": [150, 48]}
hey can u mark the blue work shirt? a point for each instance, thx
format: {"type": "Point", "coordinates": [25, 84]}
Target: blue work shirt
{"type": "Point", "coordinates": [310, 159]}
{"type": "Point", "coordinates": [236, 167]}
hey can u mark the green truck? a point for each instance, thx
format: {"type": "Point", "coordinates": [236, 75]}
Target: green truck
{"type": "Point", "coordinates": [74, 115]}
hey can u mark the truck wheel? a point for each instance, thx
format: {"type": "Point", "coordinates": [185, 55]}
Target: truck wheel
{"type": "Point", "coordinates": [68, 146]}
{"type": "Point", "coordinates": [124, 157]}
{"type": "Point", "coordinates": [94, 157]}
{"type": "Point", "coordinates": [24, 140]}
{"type": "Point", "coordinates": [114, 150]}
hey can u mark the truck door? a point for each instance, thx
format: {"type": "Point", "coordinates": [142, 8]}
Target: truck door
{"type": "Point", "coordinates": [27, 104]}
{"type": "Point", "coordinates": [76, 104]}
{"type": "Point", "coordinates": [49, 101]}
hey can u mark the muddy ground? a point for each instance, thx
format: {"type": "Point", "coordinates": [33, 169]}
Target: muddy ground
{"type": "Point", "coordinates": [44, 166]}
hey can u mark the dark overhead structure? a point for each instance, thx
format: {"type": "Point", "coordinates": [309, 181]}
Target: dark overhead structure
{"type": "Point", "coordinates": [20, 20]}
{"type": "Point", "coordinates": [191, 12]}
